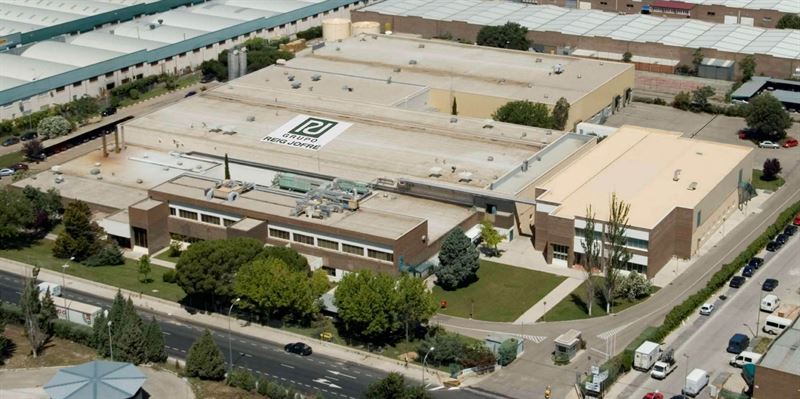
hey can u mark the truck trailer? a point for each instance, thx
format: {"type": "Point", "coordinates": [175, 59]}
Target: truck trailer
{"type": "Point", "coordinates": [646, 355]}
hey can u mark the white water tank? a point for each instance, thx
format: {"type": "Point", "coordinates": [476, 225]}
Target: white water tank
{"type": "Point", "coordinates": [365, 27]}
{"type": "Point", "coordinates": [334, 29]}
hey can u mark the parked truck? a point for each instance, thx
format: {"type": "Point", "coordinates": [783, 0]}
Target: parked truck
{"type": "Point", "coordinates": [646, 355]}
{"type": "Point", "coordinates": [665, 366]}
{"type": "Point", "coordinates": [55, 289]}
{"type": "Point", "coordinates": [695, 382]}
{"type": "Point", "coordinates": [76, 312]}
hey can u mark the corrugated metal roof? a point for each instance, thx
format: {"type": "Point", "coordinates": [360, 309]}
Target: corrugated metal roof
{"type": "Point", "coordinates": [96, 380]}
{"type": "Point", "coordinates": [636, 28]}
{"type": "Point", "coordinates": [28, 69]}
{"type": "Point", "coordinates": [189, 20]}
{"type": "Point", "coordinates": [69, 54]}
{"type": "Point", "coordinates": [784, 353]}
{"type": "Point", "coordinates": [105, 40]}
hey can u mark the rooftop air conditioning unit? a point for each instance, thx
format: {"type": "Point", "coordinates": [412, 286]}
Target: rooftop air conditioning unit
{"type": "Point", "coordinates": [316, 77]}
{"type": "Point", "coordinates": [677, 175]}
{"type": "Point", "coordinates": [692, 186]}
{"type": "Point", "coordinates": [296, 85]}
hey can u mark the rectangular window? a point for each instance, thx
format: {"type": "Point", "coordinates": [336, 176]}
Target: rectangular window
{"type": "Point", "coordinates": [110, 86]}
{"type": "Point", "coordinates": [139, 65]}
{"type": "Point", "coordinates": [331, 271]}
{"type": "Point", "coordinates": [380, 255]}
{"type": "Point", "coordinates": [210, 219]}
{"type": "Point", "coordinates": [280, 234]}
{"type": "Point", "coordinates": [699, 218]}
{"type": "Point", "coordinates": [258, 31]}
{"type": "Point", "coordinates": [94, 79]}
{"type": "Point", "coordinates": [154, 63]}
{"type": "Point", "coordinates": [712, 13]}
{"type": "Point", "coordinates": [123, 70]}
{"type": "Point", "coordinates": [210, 46]}
{"type": "Point", "coordinates": [221, 43]}
{"type": "Point", "coordinates": [352, 249]}
{"type": "Point", "coordinates": [139, 76]}
{"type": "Point", "coordinates": [629, 5]}
{"type": "Point", "coordinates": [303, 239]}
{"type": "Point", "coordinates": [228, 222]}
{"type": "Point", "coordinates": [110, 74]}
{"type": "Point", "coordinates": [182, 55]}
{"type": "Point", "coordinates": [323, 243]}
{"type": "Point", "coordinates": [767, 19]}
{"type": "Point", "coordinates": [59, 89]}
{"type": "Point", "coordinates": [560, 252]}
{"type": "Point", "coordinates": [635, 243]}
{"type": "Point", "coordinates": [187, 214]}
{"type": "Point", "coordinates": [172, 211]}
{"type": "Point", "coordinates": [168, 59]}
{"type": "Point", "coordinates": [139, 237]}
{"type": "Point", "coordinates": [197, 50]}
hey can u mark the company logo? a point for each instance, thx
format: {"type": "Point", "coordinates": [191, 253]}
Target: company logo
{"type": "Point", "coordinates": [313, 127]}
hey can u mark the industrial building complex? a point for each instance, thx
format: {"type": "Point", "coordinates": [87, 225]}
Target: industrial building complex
{"type": "Point", "coordinates": [349, 154]}
{"type": "Point", "coordinates": [657, 44]}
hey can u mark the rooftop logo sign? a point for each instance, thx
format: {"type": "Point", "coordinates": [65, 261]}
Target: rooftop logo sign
{"type": "Point", "coordinates": [307, 132]}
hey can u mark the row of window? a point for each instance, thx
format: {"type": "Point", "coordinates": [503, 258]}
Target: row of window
{"type": "Point", "coordinates": [203, 217]}
{"type": "Point", "coordinates": [330, 244]}
{"type": "Point", "coordinates": [629, 242]}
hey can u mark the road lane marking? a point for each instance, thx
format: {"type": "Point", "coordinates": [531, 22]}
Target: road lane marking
{"type": "Point", "coordinates": [339, 373]}
{"type": "Point", "coordinates": [287, 366]}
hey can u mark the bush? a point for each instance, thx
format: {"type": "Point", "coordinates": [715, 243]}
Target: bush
{"type": "Point", "coordinates": [449, 348]}
{"type": "Point", "coordinates": [175, 248]}
{"type": "Point", "coordinates": [168, 276]}
{"type": "Point", "coordinates": [477, 355]}
{"type": "Point", "coordinates": [73, 332]}
{"type": "Point", "coordinates": [507, 352]}
{"type": "Point", "coordinates": [634, 286]}
{"type": "Point", "coordinates": [311, 33]}
{"type": "Point", "coordinates": [241, 379]}
{"type": "Point", "coordinates": [109, 255]}
{"type": "Point", "coordinates": [53, 127]}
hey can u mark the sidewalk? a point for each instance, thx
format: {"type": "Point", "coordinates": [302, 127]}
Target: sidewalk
{"type": "Point", "coordinates": [555, 296]}
{"type": "Point", "coordinates": [178, 313]}
{"type": "Point", "coordinates": [520, 253]}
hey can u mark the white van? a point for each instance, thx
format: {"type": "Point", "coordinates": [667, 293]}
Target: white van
{"type": "Point", "coordinates": [770, 302]}
{"type": "Point", "coordinates": [775, 325]}
{"type": "Point", "coordinates": [695, 382]}
{"type": "Point", "coordinates": [744, 358]}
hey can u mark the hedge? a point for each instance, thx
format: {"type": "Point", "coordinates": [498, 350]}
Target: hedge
{"type": "Point", "coordinates": [12, 313]}
{"type": "Point", "coordinates": [623, 362]}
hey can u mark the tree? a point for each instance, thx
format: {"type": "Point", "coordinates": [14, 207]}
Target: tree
{"type": "Point", "coordinates": [227, 168]}
{"type": "Point", "coordinates": [109, 254]}
{"type": "Point", "coordinates": [33, 149]}
{"type": "Point", "coordinates": [592, 258]}
{"type": "Point", "coordinates": [700, 98]}
{"type": "Point", "coordinates": [204, 359]}
{"type": "Point", "coordinates": [697, 59]}
{"type": "Point", "coordinates": [789, 21]}
{"type": "Point", "coordinates": [682, 100]}
{"type": "Point", "coordinates": [490, 236]}
{"type": "Point", "coordinates": [154, 346]}
{"type": "Point", "coordinates": [144, 267]}
{"type": "Point", "coordinates": [748, 67]}
{"type": "Point", "coordinates": [772, 167]}
{"type": "Point", "coordinates": [214, 68]}
{"type": "Point", "coordinates": [524, 113]}
{"type": "Point", "coordinates": [15, 215]}
{"type": "Point", "coordinates": [394, 387]}
{"type": "Point", "coordinates": [634, 286]}
{"type": "Point", "coordinates": [129, 337]}
{"type": "Point", "coordinates": [507, 352]}
{"type": "Point", "coordinates": [767, 118]}
{"type": "Point", "coordinates": [100, 334]}
{"type": "Point", "coordinates": [38, 315]}
{"type": "Point", "coordinates": [289, 256]}
{"type": "Point", "coordinates": [458, 260]}
{"type": "Point", "coordinates": [320, 283]}
{"type": "Point", "coordinates": [627, 56]}
{"type": "Point", "coordinates": [454, 109]}
{"type": "Point", "coordinates": [205, 270]}
{"type": "Point", "coordinates": [560, 114]}
{"type": "Point", "coordinates": [268, 286]}
{"type": "Point", "coordinates": [414, 303]}
{"type": "Point", "coordinates": [510, 36]}
{"type": "Point", "coordinates": [449, 348]}
{"type": "Point", "coordinates": [367, 304]}
{"type": "Point", "coordinates": [46, 206]}
{"type": "Point", "coordinates": [81, 236]}
{"type": "Point", "coordinates": [618, 254]}
{"type": "Point", "coordinates": [53, 126]}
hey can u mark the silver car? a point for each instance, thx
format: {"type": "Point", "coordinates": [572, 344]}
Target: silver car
{"type": "Point", "coordinates": [768, 144]}
{"type": "Point", "coordinates": [706, 309]}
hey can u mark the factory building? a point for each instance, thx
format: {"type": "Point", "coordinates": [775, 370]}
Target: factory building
{"type": "Point", "coordinates": [656, 44]}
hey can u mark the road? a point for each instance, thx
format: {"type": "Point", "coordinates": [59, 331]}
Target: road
{"type": "Point", "coordinates": [706, 338]}
{"type": "Point", "coordinates": [332, 377]}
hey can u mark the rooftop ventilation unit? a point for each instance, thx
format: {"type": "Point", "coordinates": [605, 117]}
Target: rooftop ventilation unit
{"type": "Point", "coordinates": [229, 190]}
{"type": "Point", "coordinates": [435, 171]}
{"type": "Point", "coordinates": [677, 175]}
{"type": "Point", "coordinates": [412, 62]}
{"type": "Point", "coordinates": [421, 45]}
{"type": "Point", "coordinates": [296, 85]}
{"type": "Point", "coordinates": [692, 186]}
{"type": "Point", "coordinates": [558, 69]}
{"type": "Point", "coordinates": [465, 177]}
{"type": "Point", "coordinates": [291, 78]}
{"type": "Point", "coordinates": [316, 77]}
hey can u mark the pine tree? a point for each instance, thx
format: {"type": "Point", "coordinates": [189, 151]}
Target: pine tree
{"type": "Point", "coordinates": [204, 359]}
{"type": "Point", "coordinates": [81, 236]}
{"type": "Point", "coordinates": [154, 349]}
{"type": "Point", "coordinates": [454, 111]}
{"type": "Point", "coordinates": [100, 335]}
{"type": "Point", "coordinates": [116, 315]}
{"type": "Point", "coordinates": [131, 344]}
{"type": "Point", "coordinates": [458, 260]}
{"type": "Point", "coordinates": [145, 268]}
{"type": "Point", "coordinates": [38, 322]}
{"type": "Point", "coordinates": [47, 313]}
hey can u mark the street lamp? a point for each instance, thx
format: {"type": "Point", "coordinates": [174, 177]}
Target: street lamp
{"type": "Point", "coordinates": [110, 347]}
{"type": "Point", "coordinates": [751, 330]}
{"type": "Point", "coordinates": [230, 351]}
{"type": "Point", "coordinates": [64, 282]}
{"type": "Point", "coordinates": [686, 372]}
{"type": "Point", "coordinates": [758, 309]}
{"type": "Point", "coordinates": [424, 362]}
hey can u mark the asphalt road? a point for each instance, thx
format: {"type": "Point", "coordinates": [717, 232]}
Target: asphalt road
{"type": "Point", "coordinates": [705, 340]}
{"type": "Point", "coordinates": [332, 377]}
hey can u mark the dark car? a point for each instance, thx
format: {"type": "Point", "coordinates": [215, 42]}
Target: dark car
{"type": "Point", "coordinates": [738, 343]}
{"type": "Point", "coordinates": [28, 136]}
{"type": "Point", "coordinates": [207, 78]}
{"type": "Point", "coordinates": [19, 166]}
{"type": "Point", "coordinates": [769, 284]}
{"type": "Point", "coordinates": [790, 230]}
{"type": "Point", "coordinates": [755, 262]}
{"type": "Point", "coordinates": [773, 246]}
{"type": "Point", "coordinates": [737, 281]}
{"type": "Point", "coordinates": [748, 271]}
{"type": "Point", "coordinates": [10, 141]}
{"type": "Point", "coordinates": [781, 239]}
{"type": "Point", "coordinates": [298, 348]}
{"type": "Point", "coordinates": [679, 397]}
{"type": "Point", "coordinates": [109, 111]}
{"type": "Point", "coordinates": [189, 94]}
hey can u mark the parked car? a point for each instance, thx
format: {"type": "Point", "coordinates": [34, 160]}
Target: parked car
{"type": "Point", "coordinates": [679, 397]}
{"type": "Point", "coordinates": [755, 262]}
{"type": "Point", "coordinates": [773, 246]}
{"type": "Point", "coordinates": [29, 136]}
{"type": "Point", "coordinates": [768, 144]}
{"type": "Point", "coordinates": [19, 166]}
{"type": "Point", "coordinates": [738, 343]}
{"type": "Point", "coordinates": [769, 284]}
{"type": "Point", "coordinates": [189, 94]}
{"type": "Point", "coordinates": [707, 309]}
{"type": "Point", "coordinates": [298, 348]}
{"type": "Point", "coordinates": [6, 172]}
{"type": "Point", "coordinates": [781, 239]}
{"type": "Point", "coordinates": [789, 143]}
{"type": "Point", "coordinates": [796, 221]}
{"type": "Point", "coordinates": [790, 230]}
{"type": "Point", "coordinates": [654, 395]}
{"type": "Point", "coordinates": [10, 141]}
{"type": "Point", "coordinates": [109, 111]}
{"type": "Point", "coordinates": [737, 281]}
{"type": "Point", "coordinates": [748, 271]}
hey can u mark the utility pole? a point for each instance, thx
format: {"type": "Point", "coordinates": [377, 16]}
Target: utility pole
{"type": "Point", "coordinates": [230, 351]}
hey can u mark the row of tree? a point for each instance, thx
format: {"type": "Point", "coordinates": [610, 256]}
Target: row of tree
{"type": "Point", "coordinates": [528, 113]}
{"type": "Point", "coordinates": [27, 214]}
{"type": "Point", "coordinates": [82, 239]}
{"type": "Point", "coordinates": [131, 339]}
{"type": "Point", "coordinates": [260, 53]}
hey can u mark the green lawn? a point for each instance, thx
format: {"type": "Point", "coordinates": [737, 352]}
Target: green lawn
{"type": "Point", "coordinates": [165, 257]}
{"type": "Point", "coordinates": [770, 185]}
{"type": "Point", "coordinates": [502, 293]}
{"type": "Point", "coordinates": [124, 276]}
{"type": "Point", "coordinates": [573, 307]}
{"type": "Point", "coordinates": [11, 159]}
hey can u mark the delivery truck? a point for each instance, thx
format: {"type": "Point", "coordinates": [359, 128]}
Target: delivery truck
{"type": "Point", "coordinates": [76, 312]}
{"type": "Point", "coordinates": [695, 382]}
{"type": "Point", "coordinates": [665, 366]}
{"type": "Point", "coordinates": [55, 289]}
{"type": "Point", "coordinates": [646, 355]}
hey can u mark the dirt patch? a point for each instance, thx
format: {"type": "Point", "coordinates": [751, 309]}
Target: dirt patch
{"type": "Point", "coordinates": [57, 352]}
{"type": "Point", "coordinates": [218, 390]}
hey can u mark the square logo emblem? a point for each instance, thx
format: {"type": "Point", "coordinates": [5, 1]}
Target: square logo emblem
{"type": "Point", "coordinates": [307, 132]}
{"type": "Point", "coordinates": [313, 127]}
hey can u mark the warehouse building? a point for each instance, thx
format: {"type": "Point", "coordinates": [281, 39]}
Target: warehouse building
{"type": "Point", "coordinates": [679, 191]}
{"type": "Point", "coordinates": [656, 43]}
{"type": "Point", "coordinates": [763, 14]}
{"type": "Point", "coordinates": [786, 91]}
{"type": "Point", "coordinates": [38, 74]}
{"type": "Point", "coordinates": [777, 375]}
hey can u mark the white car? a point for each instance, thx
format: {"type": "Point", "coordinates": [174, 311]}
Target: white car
{"type": "Point", "coordinates": [6, 172]}
{"type": "Point", "coordinates": [768, 144]}
{"type": "Point", "coordinates": [706, 309]}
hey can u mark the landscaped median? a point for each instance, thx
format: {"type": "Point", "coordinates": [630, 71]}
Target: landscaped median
{"type": "Point", "coordinates": [623, 362]}
{"type": "Point", "coordinates": [574, 306]}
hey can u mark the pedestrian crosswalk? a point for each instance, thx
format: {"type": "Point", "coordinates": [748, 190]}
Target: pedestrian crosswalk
{"type": "Point", "coordinates": [537, 339]}
{"type": "Point", "coordinates": [609, 333]}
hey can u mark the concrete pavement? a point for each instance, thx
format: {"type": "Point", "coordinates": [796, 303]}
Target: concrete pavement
{"type": "Point", "coordinates": [555, 296]}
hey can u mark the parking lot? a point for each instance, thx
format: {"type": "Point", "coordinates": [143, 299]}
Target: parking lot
{"type": "Point", "coordinates": [719, 128]}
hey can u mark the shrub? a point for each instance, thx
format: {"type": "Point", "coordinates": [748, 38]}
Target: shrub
{"type": "Point", "coordinates": [168, 276]}
{"type": "Point", "coordinates": [241, 379]}
{"type": "Point", "coordinates": [53, 126]}
{"type": "Point", "coordinates": [311, 33]}
{"type": "Point", "coordinates": [477, 355]}
{"type": "Point", "coordinates": [507, 352]}
{"type": "Point", "coordinates": [175, 248]}
{"type": "Point", "coordinates": [449, 348]}
{"type": "Point", "coordinates": [109, 255]}
{"type": "Point", "coordinates": [73, 332]}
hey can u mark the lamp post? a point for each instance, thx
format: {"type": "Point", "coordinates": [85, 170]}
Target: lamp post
{"type": "Point", "coordinates": [110, 347]}
{"type": "Point", "coordinates": [230, 351]}
{"type": "Point", "coordinates": [751, 330]}
{"type": "Point", "coordinates": [424, 362]}
{"type": "Point", "coordinates": [64, 268]}
{"type": "Point", "coordinates": [758, 309]}
{"type": "Point", "coordinates": [686, 372]}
